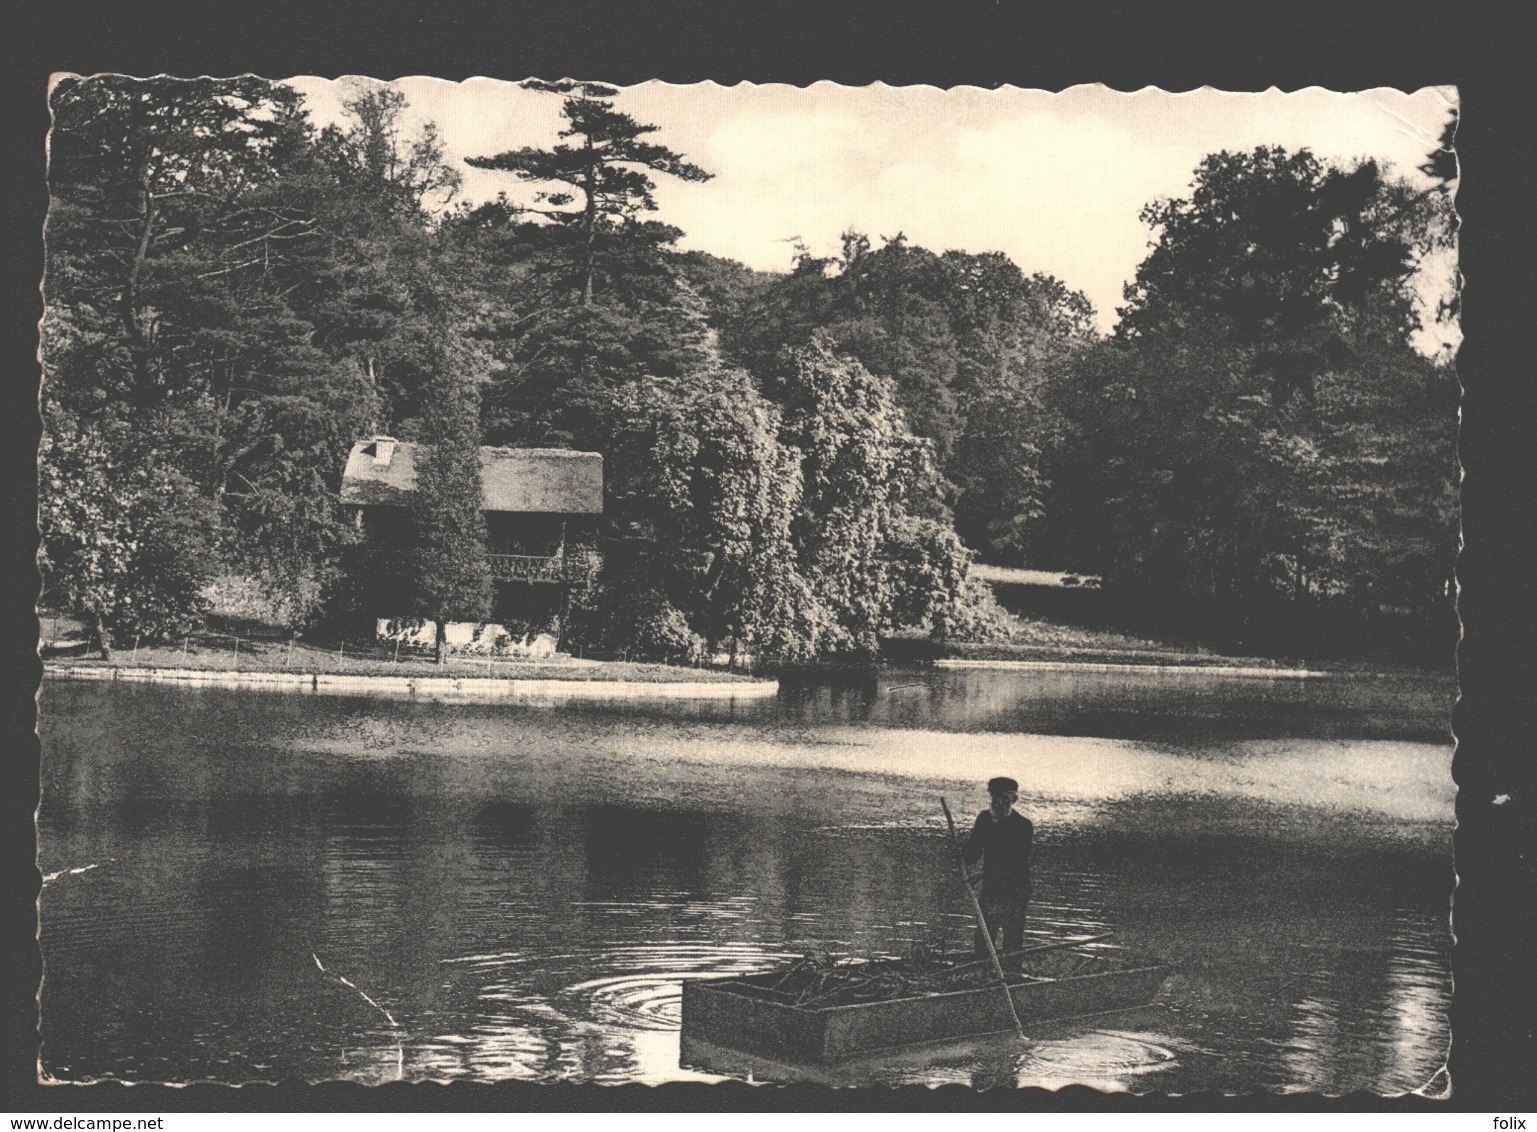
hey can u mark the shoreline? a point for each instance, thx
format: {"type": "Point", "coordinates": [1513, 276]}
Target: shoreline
{"type": "Point", "coordinates": [1246, 671]}
{"type": "Point", "coordinates": [428, 688]}
{"type": "Point", "coordinates": [481, 689]}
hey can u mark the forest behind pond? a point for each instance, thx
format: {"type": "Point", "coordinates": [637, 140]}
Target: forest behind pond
{"type": "Point", "coordinates": [798, 463]}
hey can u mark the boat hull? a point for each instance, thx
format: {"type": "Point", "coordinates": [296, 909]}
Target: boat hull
{"type": "Point", "coordinates": [741, 1014]}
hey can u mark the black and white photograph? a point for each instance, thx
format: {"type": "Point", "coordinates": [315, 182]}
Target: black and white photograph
{"type": "Point", "coordinates": [559, 582]}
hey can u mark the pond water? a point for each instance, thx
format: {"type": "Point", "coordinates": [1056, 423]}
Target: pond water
{"type": "Point", "coordinates": [256, 886]}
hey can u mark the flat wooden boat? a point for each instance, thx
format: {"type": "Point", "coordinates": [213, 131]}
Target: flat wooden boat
{"type": "Point", "coordinates": [753, 1015]}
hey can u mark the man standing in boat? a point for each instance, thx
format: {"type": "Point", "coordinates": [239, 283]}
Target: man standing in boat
{"type": "Point", "coordinates": [1001, 839]}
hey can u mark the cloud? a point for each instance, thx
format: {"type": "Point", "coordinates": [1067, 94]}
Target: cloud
{"type": "Point", "coordinates": [761, 144]}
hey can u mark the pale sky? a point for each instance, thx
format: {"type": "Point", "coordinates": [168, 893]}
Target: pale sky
{"type": "Point", "coordinates": [1055, 181]}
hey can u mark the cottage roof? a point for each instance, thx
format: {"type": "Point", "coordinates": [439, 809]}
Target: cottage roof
{"type": "Point", "coordinates": [382, 472]}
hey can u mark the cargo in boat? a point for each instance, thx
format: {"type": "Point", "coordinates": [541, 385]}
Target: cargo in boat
{"type": "Point", "coordinates": [881, 1004]}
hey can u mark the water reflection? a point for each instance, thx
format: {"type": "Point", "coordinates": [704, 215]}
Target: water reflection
{"type": "Point", "coordinates": [1140, 705]}
{"type": "Point", "coordinates": [1382, 1014]}
{"type": "Point", "coordinates": [525, 889]}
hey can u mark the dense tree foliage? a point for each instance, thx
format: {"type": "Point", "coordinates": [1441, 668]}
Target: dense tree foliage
{"type": "Point", "coordinates": [1262, 434]}
{"type": "Point", "coordinates": [184, 216]}
{"type": "Point", "coordinates": [451, 578]}
{"type": "Point", "coordinates": [796, 463]}
{"type": "Point", "coordinates": [864, 538]}
{"type": "Point", "coordinates": [129, 539]}
{"type": "Point", "coordinates": [700, 496]}
{"type": "Point", "coordinates": [970, 343]}
{"type": "Point", "coordinates": [784, 522]}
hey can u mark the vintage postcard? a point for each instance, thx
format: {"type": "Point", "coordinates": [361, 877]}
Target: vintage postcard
{"type": "Point", "coordinates": [564, 583]}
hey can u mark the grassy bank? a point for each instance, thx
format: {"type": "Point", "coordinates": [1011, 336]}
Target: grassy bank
{"type": "Point", "coordinates": [1046, 641]}
{"type": "Point", "coordinates": [1101, 648]}
{"type": "Point", "coordinates": [1041, 634]}
{"type": "Point", "coordinates": [255, 648]}
{"type": "Point", "coordinates": [1040, 639]}
{"type": "Point", "coordinates": [246, 654]}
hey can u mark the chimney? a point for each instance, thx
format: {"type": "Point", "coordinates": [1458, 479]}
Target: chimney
{"type": "Point", "coordinates": [384, 451]}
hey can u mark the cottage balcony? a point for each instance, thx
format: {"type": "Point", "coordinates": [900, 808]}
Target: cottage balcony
{"type": "Point", "coordinates": [573, 566]}
{"type": "Point", "coordinates": [527, 567]}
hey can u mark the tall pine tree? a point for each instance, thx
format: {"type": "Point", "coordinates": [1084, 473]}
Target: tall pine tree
{"type": "Point", "coordinates": [603, 182]}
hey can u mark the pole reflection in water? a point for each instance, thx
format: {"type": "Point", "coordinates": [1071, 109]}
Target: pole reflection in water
{"type": "Point", "coordinates": [524, 890]}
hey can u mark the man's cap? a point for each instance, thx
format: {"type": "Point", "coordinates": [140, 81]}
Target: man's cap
{"type": "Point", "coordinates": [1002, 786]}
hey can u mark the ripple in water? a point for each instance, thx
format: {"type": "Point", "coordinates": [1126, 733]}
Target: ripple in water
{"type": "Point", "coordinates": [545, 1018]}
{"type": "Point", "coordinates": [1105, 1058]}
{"type": "Point", "coordinates": [648, 994]}
{"type": "Point", "coordinates": [645, 1003]}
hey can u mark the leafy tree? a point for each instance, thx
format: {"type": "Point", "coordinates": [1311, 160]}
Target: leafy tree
{"type": "Point", "coordinates": [882, 307]}
{"type": "Point", "coordinates": [563, 374]}
{"type": "Point", "coordinates": [866, 547]}
{"type": "Point", "coordinates": [727, 288]}
{"type": "Point", "coordinates": [969, 342]}
{"type": "Point", "coordinates": [605, 175]}
{"type": "Point", "coordinates": [367, 296]}
{"type": "Point", "coordinates": [1018, 337]}
{"type": "Point", "coordinates": [142, 169]}
{"type": "Point", "coordinates": [1263, 434]}
{"type": "Point", "coordinates": [375, 160]}
{"type": "Point", "coordinates": [785, 523]}
{"type": "Point", "coordinates": [1278, 251]}
{"type": "Point", "coordinates": [660, 556]}
{"type": "Point", "coordinates": [181, 214]}
{"type": "Point", "coordinates": [387, 267]}
{"type": "Point", "coordinates": [701, 498]}
{"type": "Point", "coordinates": [129, 541]}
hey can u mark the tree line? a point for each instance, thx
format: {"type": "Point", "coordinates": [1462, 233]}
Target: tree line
{"type": "Point", "coordinates": [797, 463]}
